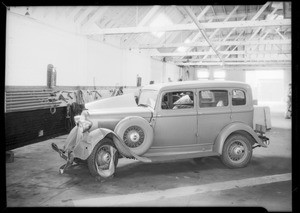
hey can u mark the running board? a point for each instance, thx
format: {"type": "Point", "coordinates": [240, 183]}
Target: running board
{"type": "Point", "coordinates": [177, 156]}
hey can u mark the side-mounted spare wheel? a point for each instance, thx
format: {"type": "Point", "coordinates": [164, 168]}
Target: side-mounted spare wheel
{"type": "Point", "coordinates": [237, 151]}
{"type": "Point", "coordinates": [101, 157]}
{"type": "Point", "coordinates": [136, 133]}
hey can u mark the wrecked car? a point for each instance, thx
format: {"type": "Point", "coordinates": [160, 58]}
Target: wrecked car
{"type": "Point", "coordinates": [175, 120]}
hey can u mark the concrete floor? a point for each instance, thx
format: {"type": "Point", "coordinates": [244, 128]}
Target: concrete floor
{"type": "Point", "coordinates": [33, 179]}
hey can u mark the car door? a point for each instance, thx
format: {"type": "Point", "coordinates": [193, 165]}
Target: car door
{"type": "Point", "coordinates": [213, 113]}
{"type": "Point", "coordinates": [175, 119]}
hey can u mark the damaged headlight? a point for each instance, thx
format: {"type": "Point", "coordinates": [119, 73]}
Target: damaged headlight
{"type": "Point", "coordinates": [83, 121]}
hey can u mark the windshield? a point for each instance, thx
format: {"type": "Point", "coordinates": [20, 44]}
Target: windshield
{"type": "Point", "coordinates": [148, 98]}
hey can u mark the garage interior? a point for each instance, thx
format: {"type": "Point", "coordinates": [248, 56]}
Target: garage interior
{"type": "Point", "coordinates": [60, 57]}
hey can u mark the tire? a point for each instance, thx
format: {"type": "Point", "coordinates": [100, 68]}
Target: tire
{"type": "Point", "coordinates": [136, 133]}
{"type": "Point", "coordinates": [237, 151]}
{"type": "Point", "coordinates": [92, 160]}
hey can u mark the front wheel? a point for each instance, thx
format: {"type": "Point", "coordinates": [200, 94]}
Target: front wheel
{"type": "Point", "coordinates": [99, 162]}
{"type": "Point", "coordinates": [237, 151]}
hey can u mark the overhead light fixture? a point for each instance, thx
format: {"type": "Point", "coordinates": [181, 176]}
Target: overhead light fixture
{"type": "Point", "coordinates": [160, 21]}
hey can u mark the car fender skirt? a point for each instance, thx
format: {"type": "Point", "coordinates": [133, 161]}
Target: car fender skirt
{"type": "Point", "coordinates": [231, 128]}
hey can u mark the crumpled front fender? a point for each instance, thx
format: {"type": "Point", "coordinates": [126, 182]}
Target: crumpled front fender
{"type": "Point", "coordinates": [90, 140]}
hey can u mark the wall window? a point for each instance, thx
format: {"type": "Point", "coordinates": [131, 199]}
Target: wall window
{"type": "Point", "coordinates": [202, 74]}
{"type": "Point", "coordinates": [219, 75]}
{"type": "Point", "coordinates": [213, 98]}
{"type": "Point", "coordinates": [238, 97]}
{"type": "Point", "coordinates": [178, 100]}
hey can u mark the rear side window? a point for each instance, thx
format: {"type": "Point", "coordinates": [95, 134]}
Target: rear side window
{"type": "Point", "coordinates": [213, 98]}
{"type": "Point", "coordinates": [238, 97]}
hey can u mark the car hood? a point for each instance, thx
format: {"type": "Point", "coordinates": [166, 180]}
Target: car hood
{"type": "Point", "coordinates": [111, 110]}
{"type": "Point", "coordinates": [126, 100]}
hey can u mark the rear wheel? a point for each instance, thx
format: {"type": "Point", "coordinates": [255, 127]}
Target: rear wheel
{"type": "Point", "coordinates": [237, 151]}
{"type": "Point", "coordinates": [100, 158]}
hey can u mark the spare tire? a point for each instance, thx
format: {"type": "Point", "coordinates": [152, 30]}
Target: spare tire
{"type": "Point", "coordinates": [136, 133]}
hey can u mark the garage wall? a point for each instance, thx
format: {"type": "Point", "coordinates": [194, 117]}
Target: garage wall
{"type": "Point", "coordinates": [31, 46]}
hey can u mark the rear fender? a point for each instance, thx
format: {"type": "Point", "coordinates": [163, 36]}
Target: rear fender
{"type": "Point", "coordinates": [235, 127]}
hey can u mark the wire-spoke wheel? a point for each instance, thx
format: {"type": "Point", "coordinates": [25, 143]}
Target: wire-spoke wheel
{"type": "Point", "coordinates": [100, 158]}
{"type": "Point", "coordinates": [136, 133]}
{"type": "Point", "coordinates": [237, 151]}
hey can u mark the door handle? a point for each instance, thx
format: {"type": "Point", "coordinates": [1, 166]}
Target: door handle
{"type": "Point", "coordinates": [158, 115]}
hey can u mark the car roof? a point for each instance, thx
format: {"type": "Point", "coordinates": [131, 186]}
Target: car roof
{"type": "Point", "coordinates": [197, 84]}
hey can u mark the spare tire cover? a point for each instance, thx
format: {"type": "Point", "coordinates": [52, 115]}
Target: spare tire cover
{"type": "Point", "coordinates": [136, 133]}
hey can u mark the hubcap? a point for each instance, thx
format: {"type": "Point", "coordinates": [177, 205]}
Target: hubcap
{"type": "Point", "coordinates": [103, 158]}
{"type": "Point", "coordinates": [236, 151]}
{"type": "Point", "coordinates": [133, 136]}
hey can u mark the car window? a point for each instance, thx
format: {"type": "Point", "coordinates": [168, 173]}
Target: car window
{"type": "Point", "coordinates": [213, 98]}
{"type": "Point", "coordinates": [238, 97]}
{"type": "Point", "coordinates": [178, 100]}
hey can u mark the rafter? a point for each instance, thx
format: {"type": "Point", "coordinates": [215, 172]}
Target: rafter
{"type": "Point", "coordinates": [192, 27]}
{"type": "Point", "coordinates": [213, 53]}
{"type": "Point", "coordinates": [219, 43]}
{"type": "Point", "coordinates": [282, 36]}
{"type": "Point", "coordinates": [149, 15]}
{"type": "Point", "coordinates": [73, 13]}
{"type": "Point", "coordinates": [96, 16]}
{"type": "Point", "coordinates": [233, 63]}
{"type": "Point", "coordinates": [225, 20]}
{"type": "Point", "coordinates": [261, 10]}
{"type": "Point", "coordinates": [246, 59]}
{"type": "Point", "coordinates": [201, 29]}
{"type": "Point", "coordinates": [85, 13]}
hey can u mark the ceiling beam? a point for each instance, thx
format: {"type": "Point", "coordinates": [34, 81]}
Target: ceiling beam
{"type": "Point", "coordinates": [217, 30]}
{"type": "Point", "coordinates": [192, 27]}
{"type": "Point", "coordinates": [253, 67]}
{"type": "Point", "coordinates": [73, 13]}
{"type": "Point", "coordinates": [234, 16]}
{"type": "Point", "coordinates": [204, 43]}
{"type": "Point", "coordinates": [85, 13]}
{"type": "Point", "coordinates": [221, 52]}
{"type": "Point", "coordinates": [282, 36]}
{"type": "Point", "coordinates": [96, 16]}
{"type": "Point", "coordinates": [225, 20]}
{"type": "Point", "coordinates": [261, 10]}
{"type": "Point", "coordinates": [248, 59]}
{"type": "Point", "coordinates": [186, 20]}
{"type": "Point", "coordinates": [232, 63]}
{"type": "Point", "coordinates": [201, 29]}
{"type": "Point", "coordinates": [149, 15]}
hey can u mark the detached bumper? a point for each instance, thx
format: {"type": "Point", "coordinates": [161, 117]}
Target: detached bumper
{"type": "Point", "coordinates": [265, 142]}
{"type": "Point", "coordinates": [60, 151]}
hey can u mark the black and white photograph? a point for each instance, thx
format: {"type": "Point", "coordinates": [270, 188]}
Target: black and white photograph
{"type": "Point", "coordinates": [149, 105]}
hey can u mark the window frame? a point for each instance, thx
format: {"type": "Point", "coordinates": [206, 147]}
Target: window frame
{"type": "Point", "coordinates": [177, 90]}
{"type": "Point", "coordinates": [214, 107]}
{"type": "Point", "coordinates": [245, 95]}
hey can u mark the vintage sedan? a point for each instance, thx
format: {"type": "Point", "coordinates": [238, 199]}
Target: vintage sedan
{"type": "Point", "coordinates": [176, 120]}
